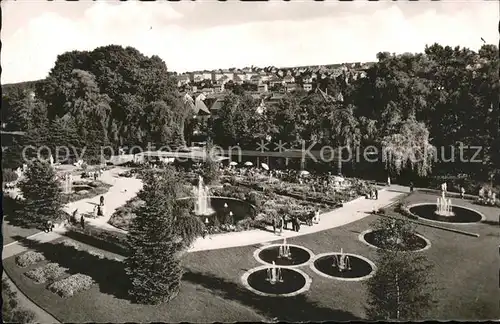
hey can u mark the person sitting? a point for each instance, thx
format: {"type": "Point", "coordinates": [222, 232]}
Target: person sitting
{"type": "Point", "coordinates": [49, 226]}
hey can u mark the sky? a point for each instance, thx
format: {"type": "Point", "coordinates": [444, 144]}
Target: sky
{"type": "Point", "coordinates": [207, 34]}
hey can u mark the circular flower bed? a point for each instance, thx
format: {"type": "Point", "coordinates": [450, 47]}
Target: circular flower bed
{"type": "Point", "coordinates": [410, 242]}
{"type": "Point", "coordinates": [357, 268]}
{"type": "Point", "coordinates": [289, 282]}
{"type": "Point", "coordinates": [462, 215]}
{"type": "Point", "coordinates": [297, 255]}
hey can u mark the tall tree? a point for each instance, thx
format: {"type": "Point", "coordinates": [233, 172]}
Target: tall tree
{"type": "Point", "coordinates": [42, 194]}
{"type": "Point", "coordinates": [158, 234]}
{"type": "Point", "coordinates": [401, 289]}
{"type": "Point", "coordinates": [409, 147]}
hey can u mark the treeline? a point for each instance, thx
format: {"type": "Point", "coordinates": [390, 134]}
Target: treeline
{"type": "Point", "coordinates": [109, 96]}
{"type": "Point", "coordinates": [444, 97]}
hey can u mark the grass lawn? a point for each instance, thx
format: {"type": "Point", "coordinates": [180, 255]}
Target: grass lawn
{"type": "Point", "coordinates": [466, 272]}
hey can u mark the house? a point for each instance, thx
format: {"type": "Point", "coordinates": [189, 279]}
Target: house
{"type": "Point", "coordinates": [307, 86]}
{"type": "Point", "coordinates": [207, 90]}
{"type": "Point", "coordinates": [250, 75]}
{"type": "Point", "coordinates": [262, 88]}
{"type": "Point", "coordinates": [255, 79]}
{"type": "Point", "coordinates": [289, 87]}
{"type": "Point", "coordinates": [289, 79]}
{"type": "Point", "coordinates": [219, 87]}
{"type": "Point", "coordinates": [229, 75]}
{"type": "Point", "coordinates": [224, 79]}
{"type": "Point", "coordinates": [216, 76]}
{"type": "Point", "coordinates": [237, 79]}
{"type": "Point", "coordinates": [207, 75]}
{"type": "Point", "coordinates": [183, 80]}
{"type": "Point", "coordinates": [261, 108]}
{"type": "Point", "coordinates": [216, 105]}
{"type": "Point", "coordinates": [307, 79]}
{"type": "Point", "coordinates": [274, 81]}
{"type": "Point", "coordinates": [197, 76]}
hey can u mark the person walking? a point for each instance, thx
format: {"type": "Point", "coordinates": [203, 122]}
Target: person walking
{"type": "Point", "coordinates": [274, 225]}
{"type": "Point", "coordinates": [376, 193]}
{"type": "Point", "coordinates": [462, 192]}
{"type": "Point", "coordinates": [82, 222]}
{"type": "Point", "coordinates": [411, 186]}
{"type": "Point", "coordinates": [101, 201]}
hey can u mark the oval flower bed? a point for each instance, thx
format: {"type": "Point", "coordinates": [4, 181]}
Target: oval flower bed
{"type": "Point", "coordinates": [47, 273]}
{"type": "Point", "coordinates": [70, 286]}
{"type": "Point", "coordinates": [29, 258]}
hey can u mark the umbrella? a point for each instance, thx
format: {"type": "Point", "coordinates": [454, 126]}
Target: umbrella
{"type": "Point", "coordinates": [304, 172]}
{"type": "Point", "coordinates": [265, 166]}
{"type": "Point", "coordinates": [233, 163]}
{"type": "Point", "coordinates": [248, 163]}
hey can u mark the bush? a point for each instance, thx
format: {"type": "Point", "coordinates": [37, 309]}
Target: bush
{"type": "Point", "coordinates": [71, 243]}
{"type": "Point", "coordinates": [95, 253]}
{"type": "Point", "coordinates": [71, 285]}
{"type": "Point", "coordinates": [47, 273]}
{"type": "Point", "coordinates": [9, 175]}
{"type": "Point", "coordinates": [29, 258]}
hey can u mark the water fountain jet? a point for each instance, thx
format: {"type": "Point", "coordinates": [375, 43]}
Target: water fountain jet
{"type": "Point", "coordinates": [202, 206]}
{"type": "Point", "coordinates": [284, 250]}
{"type": "Point", "coordinates": [274, 274]}
{"type": "Point", "coordinates": [341, 261]}
{"type": "Point", "coordinates": [444, 206]}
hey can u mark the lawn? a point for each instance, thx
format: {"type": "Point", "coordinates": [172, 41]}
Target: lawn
{"type": "Point", "coordinates": [466, 272]}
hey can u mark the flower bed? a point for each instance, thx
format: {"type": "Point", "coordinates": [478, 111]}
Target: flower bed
{"type": "Point", "coordinates": [29, 258]}
{"type": "Point", "coordinates": [123, 216]}
{"type": "Point", "coordinates": [47, 273]}
{"type": "Point", "coordinates": [95, 188]}
{"type": "Point", "coordinates": [115, 242]}
{"type": "Point", "coordinates": [71, 285]}
{"type": "Point", "coordinates": [305, 192]}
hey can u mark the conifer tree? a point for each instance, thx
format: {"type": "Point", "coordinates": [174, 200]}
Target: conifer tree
{"type": "Point", "coordinates": [156, 239]}
{"type": "Point", "coordinates": [42, 194]}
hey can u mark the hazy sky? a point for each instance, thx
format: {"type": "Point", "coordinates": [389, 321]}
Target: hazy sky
{"type": "Point", "coordinates": [207, 34]}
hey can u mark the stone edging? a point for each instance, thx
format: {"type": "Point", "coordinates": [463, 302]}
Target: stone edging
{"type": "Point", "coordinates": [244, 280]}
{"type": "Point", "coordinates": [257, 252]}
{"type": "Point", "coordinates": [440, 222]}
{"type": "Point", "coordinates": [361, 237]}
{"type": "Point", "coordinates": [374, 267]}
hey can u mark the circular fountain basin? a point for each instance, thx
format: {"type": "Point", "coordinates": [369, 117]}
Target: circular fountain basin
{"type": "Point", "coordinates": [294, 282]}
{"type": "Point", "coordinates": [413, 242]}
{"type": "Point", "coordinates": [240, 208]}
{"type": "Point", "coordinates": [299, 255]}
{"type": "Point", "coordinates": [361, 268]}
{"type": "Point", "coordinates": [461, 215]}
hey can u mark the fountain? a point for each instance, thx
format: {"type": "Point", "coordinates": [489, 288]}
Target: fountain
{"type": "Point", "coordinates": [444, 206]}
{"type": "Point", "coordinates": [274, 274]}
{"type": "Point", "coordinates": [284, 250]}
{"type": "Point", "coordinates": [202, 206]}
{"type": "Point", "coordinates": [341, 261]}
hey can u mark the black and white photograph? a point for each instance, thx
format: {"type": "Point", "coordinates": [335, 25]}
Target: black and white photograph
{"type": "Point", "coordinates": [250, 161]}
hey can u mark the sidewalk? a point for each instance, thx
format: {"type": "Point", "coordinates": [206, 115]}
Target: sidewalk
{"type": "Point", "coordinates": [113, 199]}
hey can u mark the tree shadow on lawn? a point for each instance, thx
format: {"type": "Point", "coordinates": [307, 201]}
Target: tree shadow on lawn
{"type": "Point", "coordinates": [12, 213]}
{"type": "Point", "coordinates": [107, 273]}
{"type": "Point", "coordinates": [290, 309]}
